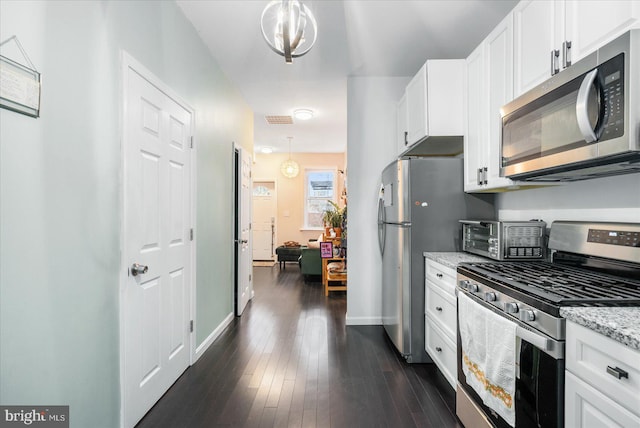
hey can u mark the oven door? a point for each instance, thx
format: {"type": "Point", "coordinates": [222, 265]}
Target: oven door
{"type": "Point", "coordinates": [539, 396]}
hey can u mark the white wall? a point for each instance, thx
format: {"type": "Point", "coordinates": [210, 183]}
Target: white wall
{"type": "Point", "coordinates": [60, 195]}
{"type": "Point", "coordinates": [371, 145]}
{"type": "Point", "coordinates": [615, 199]}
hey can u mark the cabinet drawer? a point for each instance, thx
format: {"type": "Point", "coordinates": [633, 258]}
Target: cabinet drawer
{"type": "Point", "coordinates": [589, 354]}
{"type": "Point", "coordinates": [587, 407]}
{"type": "Point", "coordinates": [441, 309]}
{"type": "Point", "coordinates": [442, 350]}
{"type": "Point", "coordinates": [440, 275]}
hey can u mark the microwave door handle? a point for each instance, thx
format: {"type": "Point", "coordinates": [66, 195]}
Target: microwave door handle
{"type": "Point", "coordinates": [582, 113]}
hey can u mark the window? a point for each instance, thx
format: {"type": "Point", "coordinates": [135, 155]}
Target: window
{"type": "Point", "coordinates": [320, 187]}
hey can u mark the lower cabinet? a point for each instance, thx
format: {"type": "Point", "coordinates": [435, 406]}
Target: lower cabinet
{"type": "Point", "coordinates": [585, 406]}
{"type": "Point", "coordinates": [440, 319]}
{"type": "Point", "coordinates": [441, 349]}
{"type": "Point", "coordinates": [602, 381]}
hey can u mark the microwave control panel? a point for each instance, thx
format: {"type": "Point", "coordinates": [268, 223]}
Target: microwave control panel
{"type": "Point", "coordinates": [612, 81]}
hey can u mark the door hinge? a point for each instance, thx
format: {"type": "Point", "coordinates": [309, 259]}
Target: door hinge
{"type": "Point", "coordinates": [191, 234]}
{"type": "Point", "coordinates": [192, 141]}
{"type": "Point", "coordinates": [191, 326]}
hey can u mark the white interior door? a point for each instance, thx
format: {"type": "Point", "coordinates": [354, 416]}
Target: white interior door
{"type": "Point", "coordinates": [245, 264]}
{"type": "Point", "coordinates": [264, 219]}
{"type": "Point", "coordinates": [157, 222]}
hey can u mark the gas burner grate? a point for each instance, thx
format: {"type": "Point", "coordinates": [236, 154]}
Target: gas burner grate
{"type": "Point", "coordinates": [561, 285]}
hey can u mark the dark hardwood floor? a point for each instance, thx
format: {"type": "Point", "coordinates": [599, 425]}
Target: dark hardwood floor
{"type": "Point", "coordinates": [290, 361]}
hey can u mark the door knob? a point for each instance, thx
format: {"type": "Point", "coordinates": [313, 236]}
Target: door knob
{"type": "Point", "coordinates": [138, 269]}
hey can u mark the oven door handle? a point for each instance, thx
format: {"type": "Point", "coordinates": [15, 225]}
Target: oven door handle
{"type": "Point", "coordinates": [535, 339]}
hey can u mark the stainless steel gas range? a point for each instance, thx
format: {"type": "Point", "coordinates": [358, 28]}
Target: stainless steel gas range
{"type": "Point", "coordinates": [592, 264]}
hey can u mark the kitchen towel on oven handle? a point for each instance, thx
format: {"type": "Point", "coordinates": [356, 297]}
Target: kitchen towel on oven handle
{"type": "Point", "coordinates": [488, 356]}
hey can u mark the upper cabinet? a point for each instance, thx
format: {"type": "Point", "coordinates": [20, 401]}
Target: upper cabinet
{"type": "Point", "coordinates": [489, 87]}
{"type": "Point", "coordinates": [434, 108]}
{"type": "Point", "coordinates": [551, 35]}
{"type": "Point", "coordinates": [401, 125]}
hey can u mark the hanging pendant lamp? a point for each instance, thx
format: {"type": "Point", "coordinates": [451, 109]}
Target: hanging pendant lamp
{"type": "Point", "coordinates": [289, 168]}
{"type": "Point", "coordinates": [284, 27]}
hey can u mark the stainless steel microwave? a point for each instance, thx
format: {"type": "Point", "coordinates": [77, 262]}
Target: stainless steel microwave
{"type": "Point", "coordinates": [581, 123]}
{"type": "Point", "coordinates": [504, 240]}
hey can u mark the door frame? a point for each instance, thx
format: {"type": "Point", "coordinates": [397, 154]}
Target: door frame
{"type": "Point", "coordinates": [275, 222]}
{"type": "Point", "coordinates": [129, 62]}
{"type": "Point", "coordinates": [236, 230]}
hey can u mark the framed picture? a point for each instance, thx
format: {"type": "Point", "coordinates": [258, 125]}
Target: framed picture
{"type": "Point", "coordinates": [19, 88]}
{"type": "Point", "coordinates": [326, 250]}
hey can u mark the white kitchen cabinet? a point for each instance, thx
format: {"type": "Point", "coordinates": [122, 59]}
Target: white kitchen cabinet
{"type": "Point", "coordinates": [551, 35]}
{"type": "Point", "coordinates": [489, 87]}
{"type": "Point", "coordinates": [475, 138]}
{"type": "Point", "coordinates": [441, 318]}
{"type": "Point", "coordinates": [602, 380]}
{"type": "Point", "coordinates": [434, 100]}
{"type": "Point", "coordinates": [401, 125]}
{"type": "Point", "coordinates": [586, 407]}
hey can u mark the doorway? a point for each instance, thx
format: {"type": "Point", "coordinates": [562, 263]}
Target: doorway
{"type": "Point", "coordinates": [265, 206]}
{"type": "Point", "coordinates": [157, 278]}
{"type": "Point", "coordinates": [243, 269]}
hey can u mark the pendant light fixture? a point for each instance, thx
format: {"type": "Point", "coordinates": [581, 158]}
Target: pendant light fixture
{"type": "Point", "coordinates": [284, 27]}
{"type": "Point", "coordinates": [289, 168]}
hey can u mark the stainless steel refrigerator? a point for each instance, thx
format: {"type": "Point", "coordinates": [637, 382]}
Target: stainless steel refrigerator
{"type": "Point", "coordinates": [421, 201]}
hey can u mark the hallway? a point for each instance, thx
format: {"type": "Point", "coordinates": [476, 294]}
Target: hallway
{"type": "Point", "coordinates": [289, 361]}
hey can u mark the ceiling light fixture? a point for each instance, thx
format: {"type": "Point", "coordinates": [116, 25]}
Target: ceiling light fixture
{"type": "Point", "coordinates": [303, 114]}
{"type": "Point", "coordinates": [286, 23]}
{"type": "Point", "coordinates": [289, 168]}
{"type": "Point", "coordinates": [266, 150]}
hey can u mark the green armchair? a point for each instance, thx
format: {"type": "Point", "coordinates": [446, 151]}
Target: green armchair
{"type": "Point", "coordinates": [310, 261]}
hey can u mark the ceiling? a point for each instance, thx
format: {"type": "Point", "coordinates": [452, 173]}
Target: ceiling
{"type": "Point", "coordinates": [355, 38]}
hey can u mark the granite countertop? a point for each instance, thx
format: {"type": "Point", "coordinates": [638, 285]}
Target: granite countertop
{"type": "Point", "coordinates": [452, 259]}
{"type": "Point", "coordinates": [621, 324]}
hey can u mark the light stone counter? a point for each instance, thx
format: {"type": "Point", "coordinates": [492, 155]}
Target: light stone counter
{"type": "Point", "coordinates": [452, 259]}
{"type": "Point", "coordinates": [621, 324]}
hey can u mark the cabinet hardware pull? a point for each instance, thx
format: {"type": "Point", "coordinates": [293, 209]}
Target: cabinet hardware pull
{"type": "Point", "coordinates": [555, 54]}
{"type": "Point", "coordinates": [439, 349]}
{"type": "Point", "coordinates": [566, 51]}
{"type": "Point", "coordinates": [439, 275]}
{"type": "Point", "coordinates": [406, 138]}
{"type": "Point", "coordinates": [618, 373]}
{"type": "Point", "coordinates": [439, 308]}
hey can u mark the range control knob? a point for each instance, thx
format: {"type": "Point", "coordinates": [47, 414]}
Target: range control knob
{"type": "Point", "coordinates": [511, 307]}
{"type": "Point", "coordinates": [464, 284]}
{"type": "Point", "coordinates": [490, 296]}
{"type": "Point", "coordinates": [527, 315]}
{"type": "Point", "coordinates": [473, 287]}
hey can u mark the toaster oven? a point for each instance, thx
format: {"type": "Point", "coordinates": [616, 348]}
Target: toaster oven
{"type": "Point", "coordinates": [504, 240]}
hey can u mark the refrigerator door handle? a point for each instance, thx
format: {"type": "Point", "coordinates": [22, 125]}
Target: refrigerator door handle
{"type": "Point", "coordinates": [399, 223]}
{"type": "Point", "coordinates": [381, 226]}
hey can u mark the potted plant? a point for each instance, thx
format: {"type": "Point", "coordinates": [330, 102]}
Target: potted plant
{"type": "Point", "coordinates": [333, 217]}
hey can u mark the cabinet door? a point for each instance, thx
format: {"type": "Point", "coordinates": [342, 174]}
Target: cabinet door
{"type": "Point", "coordinates": [587, 407]}
{"type": "Point", "coordinates": [499, 54]}
{"type": "Point", "coordinates": [537, 28]}
{"type": "Point", "coordinates": [401, 125]}
{"type": "Point", "coordinates": [475, 141]}
{"type": "Point", "coordinates": [591, 24]}
{"type": "Point", "coordinates": [416, 94]}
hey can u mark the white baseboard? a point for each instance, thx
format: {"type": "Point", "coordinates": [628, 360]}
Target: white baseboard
{"type": "Point", "coordinates": [212, 337]}
{"type": "Point", "coordinates": [362, 320]}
